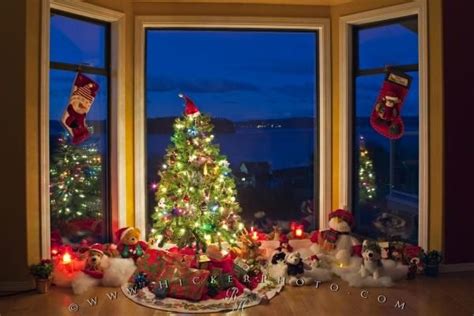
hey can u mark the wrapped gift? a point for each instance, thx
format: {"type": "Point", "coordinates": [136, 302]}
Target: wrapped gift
{"type": "Point", "coordinates": [241, 268]}
{"type": "Point", "coordinates": [185, 255]}
{"type": "Point", "coordinates": [153, 262]}
{"type": "Point", "coordinates": [183, 282]}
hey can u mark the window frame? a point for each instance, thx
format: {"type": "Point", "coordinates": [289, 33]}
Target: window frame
{"type": "Point", "coordinates": [323, 135]}
{"type": "Point", "coordinates": [116, 215]}
{"type": "Point", "coordinates": [347, 75]}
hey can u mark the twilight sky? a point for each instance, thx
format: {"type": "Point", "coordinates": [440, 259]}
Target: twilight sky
{"type": "Point", "coordinates": [233, 74]}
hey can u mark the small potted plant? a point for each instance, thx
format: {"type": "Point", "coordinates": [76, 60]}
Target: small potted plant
{"type": "Point", "coordinates": [432, 260]}
{"type": "Point", "coordinates": [42, 274]}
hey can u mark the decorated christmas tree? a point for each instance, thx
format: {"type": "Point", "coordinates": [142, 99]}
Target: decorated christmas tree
{"type": "Point", "coordinates": [366, 174]}
{"type": "Point", "coordinates": [196, 194]}
{"type": "Point", "coordinates": [75, 182]}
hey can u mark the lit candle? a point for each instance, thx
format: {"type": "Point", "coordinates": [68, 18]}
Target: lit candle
{"type": "Point", "coordinates": [299, 232]}
{"type": "Point", "coordinates": [254, 235]}
{"type": "Point", "coordinates": [67, 258]}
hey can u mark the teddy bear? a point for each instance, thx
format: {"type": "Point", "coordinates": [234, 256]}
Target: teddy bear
{"type": "Point", "coordinates": [296, 270]}
{"type": "Point", "coordinates": [99, 269]}
{"type": "Point", "coordinates": [337, 242]}
{"type": "Point", "coordinates": [129, 244]}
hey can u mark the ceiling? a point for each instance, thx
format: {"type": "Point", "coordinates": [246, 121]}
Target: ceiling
{"type": "Point", "coordinates": [290, 2]}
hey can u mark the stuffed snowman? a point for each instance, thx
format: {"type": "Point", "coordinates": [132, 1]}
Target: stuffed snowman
{"type": "Point", "coordinates": [337, 243]}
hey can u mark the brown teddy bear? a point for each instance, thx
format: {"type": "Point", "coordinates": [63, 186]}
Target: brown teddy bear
{"type": "Point", "coordinates": [129, 244]}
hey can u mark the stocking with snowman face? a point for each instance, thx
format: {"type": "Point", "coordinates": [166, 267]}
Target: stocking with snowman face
{"type": "Point", "coordinates": [386, 117]}
{"type": "Point", "coordinates": [82, 96]}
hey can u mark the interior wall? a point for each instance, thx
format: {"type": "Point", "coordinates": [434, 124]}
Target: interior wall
{"type": "Point", "coordinates": [435, 107]}
{"type": "Point", "coordinates": [459, 147]}
{"type": "Point", "coordinates": [19, 190]}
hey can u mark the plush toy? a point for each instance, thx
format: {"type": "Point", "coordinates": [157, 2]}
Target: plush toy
{"type": "Point", "coordinates": [414, 254]}
{"type": "Point", "coordinates": [129, 244]}
{"type": "Point", "coordinates": [337, 242]}
{"type": "Point", "coordinates": [296, 270]}
{"type": "Point", "coordinates": [101, 270]}
{"type": "Point", "coordinates": [372, 259]}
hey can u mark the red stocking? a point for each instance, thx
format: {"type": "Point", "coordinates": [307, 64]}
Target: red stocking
{"type": "Point", "coordinates": [386, 117]}
{"type": "Point", "coordinates": [81, 99]}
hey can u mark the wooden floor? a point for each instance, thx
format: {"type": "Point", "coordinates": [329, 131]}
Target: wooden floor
{"type": "Point", "coordinates": [449, 294]}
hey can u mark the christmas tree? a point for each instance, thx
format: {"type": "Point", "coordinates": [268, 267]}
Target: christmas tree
{"type": "Point", "coordinates": [196, 195]}
{"type": "Point", "coordinates": [75, 182]}
{"type": "Point", "coordinates": [366, 174]}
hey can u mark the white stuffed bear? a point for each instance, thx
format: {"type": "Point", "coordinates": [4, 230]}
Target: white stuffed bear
{"type": "Point", "coordinates": [337, 243]}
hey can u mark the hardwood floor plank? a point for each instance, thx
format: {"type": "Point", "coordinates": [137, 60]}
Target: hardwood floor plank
{"type": "Point", "coordinates": [449, 294]}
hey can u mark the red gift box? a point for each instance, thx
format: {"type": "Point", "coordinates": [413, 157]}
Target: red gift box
{"type": "Point", "coordinates": [183, 282]}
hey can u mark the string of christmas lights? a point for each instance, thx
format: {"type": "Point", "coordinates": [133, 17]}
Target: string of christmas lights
{"type": "Point", "coordinates": [367, 188]}
{"type": "Point", "coordinates": [196, 194]}
{"type": "Point", "coordinates": [75, 182]}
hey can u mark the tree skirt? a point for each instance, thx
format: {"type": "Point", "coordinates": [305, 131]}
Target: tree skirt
{"type": "Point", "coordinates": [261, 294]}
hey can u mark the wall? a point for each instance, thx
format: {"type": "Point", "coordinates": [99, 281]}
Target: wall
{"type": "Point", "coordinates": [19, 190]}
{"type": "Point", "coordinates": [458, 113]}
{"type": "Point", "coordinates": [435, 106]}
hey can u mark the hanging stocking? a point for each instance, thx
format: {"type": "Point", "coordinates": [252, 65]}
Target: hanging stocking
{"type": "Point", "coordinates": [386, 117]}
{"type": "Point", "coordinates": [82, 96]}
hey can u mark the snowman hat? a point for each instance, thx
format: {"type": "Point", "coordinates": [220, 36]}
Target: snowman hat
{"type": "Point", "coordinates": [120, 234]}
{"type": "Point", "coordinates": [342, 214]}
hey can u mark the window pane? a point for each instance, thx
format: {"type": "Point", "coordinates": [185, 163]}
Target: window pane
{"type": "Point", "coordinates": [388, 44]}
{"type": "Point", "coordinates": [391, 210]}
{"type": "Point", "coordinates": [262, 85]}
{"type": "Point", "coordinates": [77, 41]}
{"type": "Point", "coordinates": [78, 173]}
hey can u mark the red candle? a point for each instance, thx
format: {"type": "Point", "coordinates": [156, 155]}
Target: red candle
{"type": "Point", "coordinates": [254, 235]}
{"type": "Point", "coordinates": [299, 232]}
{"type": "Point", "coordinates": [67, 258]}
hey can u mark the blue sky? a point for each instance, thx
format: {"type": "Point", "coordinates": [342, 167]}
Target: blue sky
{"type": "Point", "coordinates": [238, 75]}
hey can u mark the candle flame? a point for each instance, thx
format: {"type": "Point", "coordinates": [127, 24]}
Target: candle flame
{"type": "Point", "coordinates": [299, 232]}
{"type": "Point", "coordinates": [255, 235]}
{"type": "Point", "coordinates": [67, 258]}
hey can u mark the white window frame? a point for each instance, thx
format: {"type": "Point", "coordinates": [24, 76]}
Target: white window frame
{"type": "Point", "coordinates": [346, 23]}
{"type": "Point", "coordinates": [117, 111]}
{"type": "Point", "coordinates": [219, 22]}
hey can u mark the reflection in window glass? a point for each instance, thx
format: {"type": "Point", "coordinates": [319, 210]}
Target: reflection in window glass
{"type": "Point", "coordinates": [260, 89]}
{"type": "Point", "coordinates": [78, 173]}
{"type": "Point", "coordinates": [389, 167]}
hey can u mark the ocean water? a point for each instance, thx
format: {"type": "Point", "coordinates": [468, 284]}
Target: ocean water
{"type": "Point", "coordinates": [281, 147]}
